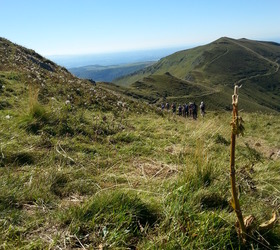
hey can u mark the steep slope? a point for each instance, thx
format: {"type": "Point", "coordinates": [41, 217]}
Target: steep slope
{"type": "Point", "coordinates": [221, 64]}
{"type": "Point", "coordinates": [23, 69]}
{"type": "Point", "coordinates": [20, 59]}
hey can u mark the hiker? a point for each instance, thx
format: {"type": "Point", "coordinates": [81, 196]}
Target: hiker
{"type": "Point", "coordinates": [184, 110]}
{"type": "Point", "coordinates": [194, 111]}
{"type": "Point", "coordinates": [190, 109]}
{"type": "Point", "coordinates": [180, 110]}
{"type": "Point", "coordinates": [202, 109]}
{"type": "Point", "coordinates": [173, 106]}
{"type": "Point", "coordinates": [167, 106]}
{"type": "Point", "coordinates": [187, 109]}
{"type": "Point", "coordinates": [162, 106]}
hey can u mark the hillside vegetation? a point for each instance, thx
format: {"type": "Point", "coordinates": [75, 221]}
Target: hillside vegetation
{"type": "Point", "coordinates": [216, 66]}
{"type": "Point", "coordinates": [84, 166]}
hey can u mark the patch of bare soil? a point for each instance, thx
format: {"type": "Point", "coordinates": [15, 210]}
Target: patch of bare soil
{"type": "Point", "coordinates": [266, 150]}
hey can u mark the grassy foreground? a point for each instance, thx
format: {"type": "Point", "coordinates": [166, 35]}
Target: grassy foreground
{"type": "Point", "coordinates": [84, 167]}
{"type": "Point", "coordinates": [136, 179]}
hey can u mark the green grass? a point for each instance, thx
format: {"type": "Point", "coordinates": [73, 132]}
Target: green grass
{"type": "Point", "coordinates": [104, 171]}
{"type": "Point", "coordinates": [157, 181]}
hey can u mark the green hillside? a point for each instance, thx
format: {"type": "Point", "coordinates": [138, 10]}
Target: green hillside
{"type": "Point", "coordinates": [218, 66]}
{"type": "Point", "coordinates": [107, 73]}
{"type": "Point", "coordinates": [87, 167]}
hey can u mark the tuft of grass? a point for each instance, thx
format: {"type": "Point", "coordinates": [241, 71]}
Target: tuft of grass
{"type": "Point", "coordinates": [207, 199]}
{"type": "Point", "coordinates": [113, 219]}
{"type": "Point", "coordinates": [59, 183]}
{"type": "Point", "coordinates": [252, 155]}
{"type": "Point", "coordinates": [35, 109]}
{"type": "Point", "coordinates": [37, 117]}
{"type": "Point", "coordinates": [21, 158]}
{"type": "Point", "coordinates": [221, 140]}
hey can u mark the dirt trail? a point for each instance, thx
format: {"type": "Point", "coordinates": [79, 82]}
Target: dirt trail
{"type": "Point", "coordinates": [195, 95]}
{"type": "Point", "coordinates": [218, 57]}
{"type": "Point", "coordinates": [261, 57]}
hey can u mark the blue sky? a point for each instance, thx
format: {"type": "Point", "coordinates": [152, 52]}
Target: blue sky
{"type": "Point", "coordinates": [60, 27]}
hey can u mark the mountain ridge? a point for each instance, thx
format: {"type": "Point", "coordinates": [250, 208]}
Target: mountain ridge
{"type": "Point", "coordinates": [220, 65]}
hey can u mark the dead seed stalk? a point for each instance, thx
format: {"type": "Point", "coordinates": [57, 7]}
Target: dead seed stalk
{"type": "Point", "coordinates": [236, 129]}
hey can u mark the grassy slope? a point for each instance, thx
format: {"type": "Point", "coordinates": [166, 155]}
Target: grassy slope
{"type": "Point", "coordinates": [218, 65]}
{"type": "Point", "coordinates": [106, 172]}
{"type": "Point", "coordinates": [65, 190]}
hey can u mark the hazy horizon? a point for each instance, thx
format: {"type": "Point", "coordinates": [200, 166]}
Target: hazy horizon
{"type": "Point", "coordinates": [113, 58]}
{"type": "Point", "coordinates": [121, 57]}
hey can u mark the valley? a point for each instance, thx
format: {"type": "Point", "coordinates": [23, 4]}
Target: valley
{"type": "Point", "coordinates": [107, 73]}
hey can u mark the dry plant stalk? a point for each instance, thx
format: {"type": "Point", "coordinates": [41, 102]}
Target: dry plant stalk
{"type": "Point", "coordinates": [237, 128]}
{"type": "Point", "coordinates": [265, 226]}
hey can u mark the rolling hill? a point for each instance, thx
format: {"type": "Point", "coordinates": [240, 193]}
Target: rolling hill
{"type": "Point", "coordinates": [214, 68]}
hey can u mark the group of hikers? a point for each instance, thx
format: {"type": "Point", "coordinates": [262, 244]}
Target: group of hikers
{"type": "Point", "coordinates": [185, 110]}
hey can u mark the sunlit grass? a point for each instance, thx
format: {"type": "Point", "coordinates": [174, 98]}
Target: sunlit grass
{"type": "Point", "coordinates": [131, 178]}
